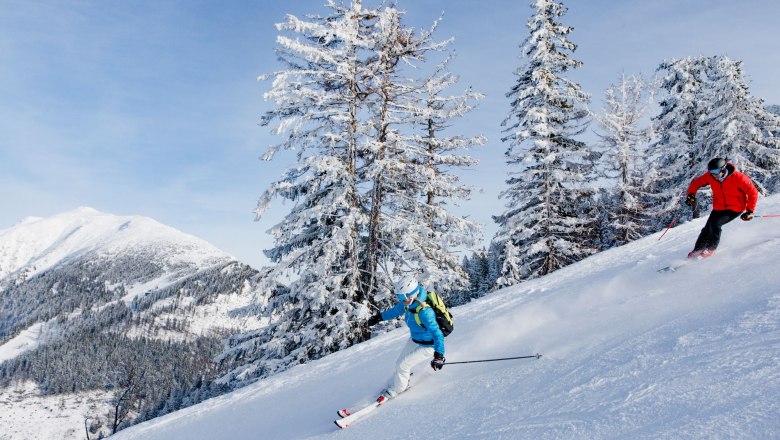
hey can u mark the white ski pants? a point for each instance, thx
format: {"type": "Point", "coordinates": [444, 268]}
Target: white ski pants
{"type": "Point", "coordinates": [411, 355]}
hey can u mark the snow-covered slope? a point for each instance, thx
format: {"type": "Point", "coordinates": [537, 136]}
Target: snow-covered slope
{"type": "Point", "coordinates": [628, 353]}
{"type": "Point", "coordinates": [134, 255]}
{"type": "Point", "coordinates": [36, 244]}
{"type": "Point", "coordinates": [81, 286]}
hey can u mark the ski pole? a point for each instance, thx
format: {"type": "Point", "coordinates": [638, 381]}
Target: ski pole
{"type": "Point", "coordinates": [679, 213]}
{"type": "Point", "coordinates": [768, 215]}
{"type": "Point", "coordinates": [537, 356]}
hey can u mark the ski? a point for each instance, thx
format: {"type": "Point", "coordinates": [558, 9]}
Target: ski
{"type": "Point", "coordinates": [675, 265]}
{"type": "Point", "coordinates": [351, 418]}
{"type": "Point", "coordinates": [348, 417]}
{"type": "Point", "coordinates": [670, 268]}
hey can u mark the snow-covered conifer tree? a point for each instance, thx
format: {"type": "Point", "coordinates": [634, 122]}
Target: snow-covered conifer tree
{"type": "Point", "coordinates": [410, 225]}
{"type": "Point", "coordinates": [769, 122]}
{"type": "Point", "coordinates": [735, 127]}
{"type": "Point", "coordinates": [541, 231]}
{"type": "Point", "coordinates": [429, 159]}
{"type": "Point", "coordinates": [624, 137]}
{"type": "Point", "coordinates": [317, 102]}
{"type": "Point", "coordinates": [358, 190]}
{"type": "Point", "coordinates": [707, 112]}
{"type": "Point", "coordinates": [674, 154]}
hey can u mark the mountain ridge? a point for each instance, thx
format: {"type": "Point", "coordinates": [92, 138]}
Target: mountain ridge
{"type": "Point", "coordinates": [90, 301]}
{"type": "Point", "coordinates": [37, 244]}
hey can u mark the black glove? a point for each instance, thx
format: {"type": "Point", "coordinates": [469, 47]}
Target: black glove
{"type": "Point", "coordinates": [747, 215]}
{"type": "Point", "coordinates": [374, 319]}
{"type": "Point", "coordinates": [438, 361]}
{"type": "Point", "coordinates": [691, 200]}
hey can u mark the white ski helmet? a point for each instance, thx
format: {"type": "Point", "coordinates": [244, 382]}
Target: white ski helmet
{"type": "Point", "coordinates": [406, 287]}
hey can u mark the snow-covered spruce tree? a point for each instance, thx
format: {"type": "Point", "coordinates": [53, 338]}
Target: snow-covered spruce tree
{"type": "Point", "coordinates": [541, 231]}
{"type": "Point", "coordinates": [473, 268]}
{"type": "Point", "coordinates": [769, 122]}
{"type": "Point", "coordinates": [438, 152]}
{"type": "Point", "coordinates": [345, 106]}
{"type": "Point", "coordinates": [395, 46]}
{"type": "Point", "coordinates": [494, 266]}
{"type": "Point", "coordinates": [478, 274]}
{"type": "Point", "coordinates": [675, 155]}
{"type": "Point", "coordinates": [317, 100]}
{"type": "Point", "coordinates": [481, 273]}
{"type": "Point", "coordinates": [410, 226]}
{"type": "Point", "coordinates": [707, 112]}
{"type": "Point", "coordinates": [624, 138]}
{"type": "Point", "coordinates": [735, 127]}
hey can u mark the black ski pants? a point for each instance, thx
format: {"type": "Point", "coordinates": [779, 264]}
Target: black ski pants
{"type": "Point", "coordinates": [709, 237]}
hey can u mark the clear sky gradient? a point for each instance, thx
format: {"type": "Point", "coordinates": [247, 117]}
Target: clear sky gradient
{"type": "Point", "coordinates": [152, 107]}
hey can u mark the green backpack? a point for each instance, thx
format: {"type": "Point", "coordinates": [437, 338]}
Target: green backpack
{"type": "Point", "coordinates": [443, 316]}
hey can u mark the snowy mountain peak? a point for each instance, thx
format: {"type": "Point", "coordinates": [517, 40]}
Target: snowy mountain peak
{"type": "Point", "coordinates": [36, 244]}
{"type": "Point", "coordinates": [84, 210]}
{"type": "Point", "coordinates": [91, 291]}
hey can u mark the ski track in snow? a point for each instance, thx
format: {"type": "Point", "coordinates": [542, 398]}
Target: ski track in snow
{"type": "Point", "coordinates": [627, 353]}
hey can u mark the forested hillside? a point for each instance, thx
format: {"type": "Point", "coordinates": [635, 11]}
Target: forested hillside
{"type": "Point", "coordinates": [122, 305]}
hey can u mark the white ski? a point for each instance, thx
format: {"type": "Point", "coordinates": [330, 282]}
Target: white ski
{"type": "Point", "coordinates": [357, 415]}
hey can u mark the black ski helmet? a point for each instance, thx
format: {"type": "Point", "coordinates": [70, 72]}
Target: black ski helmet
{"type": "Point", "coordinates": [717, 163]}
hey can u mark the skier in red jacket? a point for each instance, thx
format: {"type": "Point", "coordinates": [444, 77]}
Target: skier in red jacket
{"type": "Point", "coordinates": [732, 194]}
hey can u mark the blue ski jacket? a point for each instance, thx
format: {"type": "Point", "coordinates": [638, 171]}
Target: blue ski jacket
{"type": "Point", "coordinates": [420, 335]}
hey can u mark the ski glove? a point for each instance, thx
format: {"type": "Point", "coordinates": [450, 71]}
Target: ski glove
{"type": "Point", "coordinates": [438, 361]}
{"type": "Point", "coordinates": [691, 200]}
{"type": "Point", "coordinates": [747, 215]}
{"type": "Point", "coordinates": [374, 319]}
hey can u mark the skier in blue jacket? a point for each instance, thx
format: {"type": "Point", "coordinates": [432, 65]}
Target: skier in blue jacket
{"type": "Point", "coordinates": [426, 340]}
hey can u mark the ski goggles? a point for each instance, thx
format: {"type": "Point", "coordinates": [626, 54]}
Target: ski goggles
{"type": "Point", "coordinates": [411, 294]}
{"type": "Point", "coordinates": [716, 171]}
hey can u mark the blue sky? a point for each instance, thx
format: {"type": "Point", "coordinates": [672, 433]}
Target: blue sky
{"type": "Point", "coordinates": [152, 107]}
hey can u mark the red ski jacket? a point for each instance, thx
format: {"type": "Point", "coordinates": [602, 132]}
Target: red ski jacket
{"type": "Point", "coordinates": [736, 192]}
